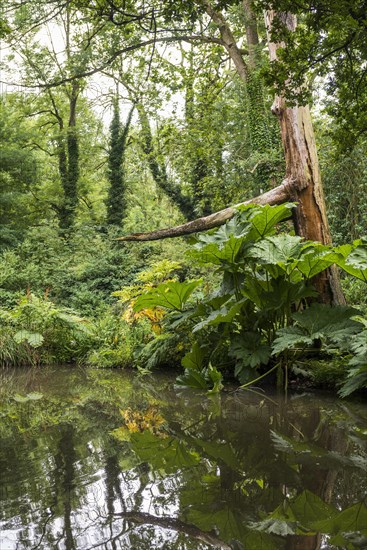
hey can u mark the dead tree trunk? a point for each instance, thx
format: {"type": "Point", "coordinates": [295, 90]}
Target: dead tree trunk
{"type": "Point", "coordinates": [302, 169]}
{"type": "Point", "coordinates": [303, 180]}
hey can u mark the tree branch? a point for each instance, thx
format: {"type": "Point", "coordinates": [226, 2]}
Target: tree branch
{"type": "Point", "coordinates": [115, 55]}
{"type": "Point", "coordinates": [176, 525]}
{"type": "Point", "coordinates": [278, 195]}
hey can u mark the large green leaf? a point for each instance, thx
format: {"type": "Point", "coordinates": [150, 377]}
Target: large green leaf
{"type": "Point", "coordinates": [289, 338]}
{"type": "Point", "coordinates": [34, 339]}
{"type": "Point", "coordinates": [353, 259]}
{"type": "Point", "coordinates": [219, 253]}
{"type": "Point", "coordinates": [318, 322]}
{"type": "Point", "coordinates": [265, 218]}
{"type": "Point", "coordinates": [192, 379]}
{"type": "Point", "coordinates": [315, 260]}
{"type": "Point", "coordinates": [225, 314]}
{"type": "Point", "coordinates": [358, 257]}
{"type": "Point", "coordinates": [194, 358]}
{"type": "Point", "coordinates": [171, 295]}
{"type": "Point", "coordinates": [249, 350]}
{"type": "Point", "coordinates": [279, 250]}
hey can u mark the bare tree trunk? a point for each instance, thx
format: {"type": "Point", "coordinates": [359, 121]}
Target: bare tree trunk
{"type": "Point", "coordinates": [302, 169]}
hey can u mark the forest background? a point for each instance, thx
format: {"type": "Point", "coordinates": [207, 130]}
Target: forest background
{"type": "Point", "coordinates": [190, 131]}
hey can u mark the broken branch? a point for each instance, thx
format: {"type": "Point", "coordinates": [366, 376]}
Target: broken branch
{"type": "Point", "coordinates": [278, 195]}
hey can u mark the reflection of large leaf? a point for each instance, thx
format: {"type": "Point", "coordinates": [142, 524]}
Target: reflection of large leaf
{"type": "Point", "coordinates": [218, 450]}
{"type": "Point", "coordinates": [168, 454]}
{"type": "Point", "coordinates": [288, 445]}
{"type": "Point", "coordinates": [208, 517]}
{"type": "Point", "coordinates": [171, 295]}
{"type": "Point", "coordinates": [306, 452]}
{"type": "Point", "coordinates": [350, 520]}
{"type": "Point", "coordinates": [297, 516]}
{"type": "Point", "coordinates": [308, 508]}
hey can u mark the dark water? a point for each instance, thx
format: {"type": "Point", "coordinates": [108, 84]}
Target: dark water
{"type": "Point", "coordinates": [105, 459]}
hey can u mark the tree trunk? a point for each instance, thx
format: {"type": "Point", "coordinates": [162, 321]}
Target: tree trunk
{"type": "Point", "coordinates": [303, 180]}
{"type": "Point", "coordinates": [158, 169]}
{"type": "Point", "coordinates": [302, 170]}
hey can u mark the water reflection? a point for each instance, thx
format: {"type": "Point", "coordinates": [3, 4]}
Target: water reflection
{"type": "Point", "coordinates": [104, 459]}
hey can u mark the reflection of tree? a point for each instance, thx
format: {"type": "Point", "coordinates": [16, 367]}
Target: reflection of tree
{"type": "Point", "coordinates": [65, 459]}
{"type": "Point", "coordinates": [175, 525]}
{"type": "Point", "coordinates": [214, 463]}
{"type": "Point", "coordinates": [319, 481]}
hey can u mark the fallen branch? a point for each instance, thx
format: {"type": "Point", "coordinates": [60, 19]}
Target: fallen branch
{"type": "Point", "coordinates": [278, 195]}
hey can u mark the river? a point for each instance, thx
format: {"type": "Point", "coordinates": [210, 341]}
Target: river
{"type": "Point", "coordinates": [109, 459]}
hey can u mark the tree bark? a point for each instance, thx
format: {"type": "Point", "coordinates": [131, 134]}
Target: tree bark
{"type": "Point", "coordinates": [302, 169]}
{"type": "Point", "coordinates": [278, 195]}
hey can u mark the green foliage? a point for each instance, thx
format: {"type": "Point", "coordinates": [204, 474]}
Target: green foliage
{"type": "Point", "coordinates": [195, 376]}
{"type": "Point", "coordinates": [253, 315]}
{"type": "Point", "coordinates": [317, 325]}
{"type": "Point", "coordinates": [353, 258]}
{"type": "Point", "coordinates": [344, 176]}
{"type": "Point", "coordinates": [171, 295]}
{"type": "Point", "coordinates": [18, 173]}
{"type": "Point", "coordinates": [80, 272]}
{"type": "Point", "coordinates": [307, 514]}
{"type": "Point", "coordinates": [357, 374]}
{"type": "Point", "coordinates": [38, 332]}
{"type": "Point", "coordinates": [115, 342]}
{"type": "Point", "coordinates": [116, 201]}
{"type": "Point", "coordinates": [329, 42]}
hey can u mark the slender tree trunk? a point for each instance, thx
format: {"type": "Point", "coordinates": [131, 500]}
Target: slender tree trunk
{"type": "Point", "coordinates": [158, 170]}
{"type": "Point", "coordinates": [116, 200]}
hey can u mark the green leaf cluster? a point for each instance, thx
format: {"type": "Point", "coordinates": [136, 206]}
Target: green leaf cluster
{"type": "Point", "coordinates": [261, 311]}
{"type": "Point", "coordinates": [36, 331]}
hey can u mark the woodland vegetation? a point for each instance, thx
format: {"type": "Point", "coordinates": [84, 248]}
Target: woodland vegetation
{"type": "Point", "coordinates": [120, 119]}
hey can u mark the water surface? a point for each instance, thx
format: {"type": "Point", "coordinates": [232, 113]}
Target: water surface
{"type": "Point", "coordinates": [110, 460]}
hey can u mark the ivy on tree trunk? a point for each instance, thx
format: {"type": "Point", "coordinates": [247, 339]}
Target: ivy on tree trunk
{"type": "Point", "coordinates": [116, 200]}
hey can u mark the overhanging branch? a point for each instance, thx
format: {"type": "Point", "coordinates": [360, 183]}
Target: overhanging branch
{"type": "Point", "coordinates": [277, 195]}
{"type": "Point", "coordinates": [115, 55]}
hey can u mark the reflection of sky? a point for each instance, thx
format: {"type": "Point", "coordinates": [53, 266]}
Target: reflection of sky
{"type": "Point", "coordinates": [90, 523]}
